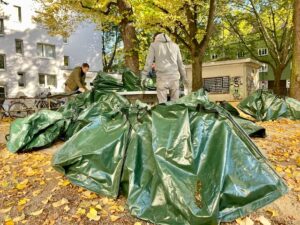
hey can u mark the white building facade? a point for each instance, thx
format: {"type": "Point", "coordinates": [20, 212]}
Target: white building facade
{"type": "Point", "coordinates": [32, 61]}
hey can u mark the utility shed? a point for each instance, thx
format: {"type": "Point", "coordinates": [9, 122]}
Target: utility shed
{"type": "Point", "coordinates": [230, 80]}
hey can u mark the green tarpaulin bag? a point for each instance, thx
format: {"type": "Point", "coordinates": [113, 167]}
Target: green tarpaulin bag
{"type": "Point", "coordinates": [93, 157]}
{"type": "Point", "coordinates": [38, 130]}
{"type": "Point", "coordinates": [250, 127]}
{"type": "Point", "coordinates": [106, 82]}
{"type": "Point", "coordinates": [131, 81]}
{"type": "Point", "coordinates": [85, 107]}
{"type": "Point", "coordinates": [195, 165]}
{"type": "Point", "coordinates": [263, 105]}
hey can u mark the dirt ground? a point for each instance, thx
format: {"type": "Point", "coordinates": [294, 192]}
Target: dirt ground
{"type": "Point", "coordinates": [31, 192]}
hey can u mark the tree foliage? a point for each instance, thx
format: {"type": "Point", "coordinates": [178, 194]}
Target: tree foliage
{"type": "Point", "coordinates": [269, 21]}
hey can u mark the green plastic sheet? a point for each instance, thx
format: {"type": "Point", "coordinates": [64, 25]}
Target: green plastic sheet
{"type": "Point", "coordinates": [80, 111]}
{"type": "Point", "coordinates": [104, 81]}
{"type": "Point", "coordinates": [263, 105]}
{"type": "Point", "coordinates": [131, 81]}
{"type": "Point", "coordinates": [38, 130]}
{"type": "Point", "coordinates": [186, 162]}
{"type": "Point", "coordinates": [93, 157]}
{"type": "Point", "coordinates": [195, 165]}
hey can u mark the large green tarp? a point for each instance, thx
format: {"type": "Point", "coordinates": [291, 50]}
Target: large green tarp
{"type": "Point", "coordinates": [36, 131]}
{"type": "Point", "coordinates": [263, 105]}
{"type": "Point", "coordinates": [186, 162]}
{"type": "Point", "coordinates": [93, 157]}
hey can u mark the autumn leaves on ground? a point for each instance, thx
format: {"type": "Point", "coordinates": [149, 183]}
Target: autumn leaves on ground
{"type": "Point", "coordinates": [31, 192]}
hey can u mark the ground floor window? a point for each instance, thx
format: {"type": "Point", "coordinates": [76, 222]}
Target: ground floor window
{"type": "Point", "coordinates": [47, 80]}
{"type": "Point", "coordinates": [217, 85]}
{"type": "Point", "coordinates": [21, 79]}
{"type": "Point", "coordinates": [2, 61]}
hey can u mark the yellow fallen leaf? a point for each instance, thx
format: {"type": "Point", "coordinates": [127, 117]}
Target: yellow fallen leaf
{"type": "Point", "coordinates": [298, 161]}
{"type": "Point", "coordinates": [92, 214]}
{"type": "Point", "coordinates": [36, 213]}
{"type": "Point", "coordinates": [19, 218]}
{"type": "Point", "coordinates": [60, 203]}
{"type": "Point", "coordinates": [80, 211]}
{"type": "Point", "coordinates": [67, 208]}
{"type": "Point", "coordinates": [278, 169]}
{"type": "Point", "coordinates": [22, 185]}
{"type": "Point", "coordinates": [64, 183]}
{"type": "Point", "coordinates": [245, 221]}
{"type": "Point", "coordinates": [263, 220]}
{"type": "Point", "coordinates": [23, 201]}
{"type": "Point", "coordinates": [89, 195]}
{"type": "Point", "coordinates": [114, 218]}
{"type": "Point", "coordinates": [4, 184]}
{"type": "Point", "coordinates": [36, 193]}
{"type": "Point", "coordinates": [6, 210]}
{"type": "Point", "coordinates": [9, 222]}
{"type": "Point", "coordinates": [42, 182]}
{"type": "Point", "coordinates": [272, 211]}
{"type": "Point", "coordinates": [98, 206]}
{"type": "Point", "coordinates": [121, 209]}
{"type": "Point", "coordinates": [47, 200]}
{"type": "Point", "coordinates": [137, 223]}
{"type": "Point", "coordinates": [30, 172]}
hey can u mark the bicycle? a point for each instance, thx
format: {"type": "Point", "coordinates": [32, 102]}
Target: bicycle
{"type": "Point", "coordinates": [3, 112]}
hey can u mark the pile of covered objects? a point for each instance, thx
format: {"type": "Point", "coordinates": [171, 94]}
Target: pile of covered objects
{"type": "Point", "coordinates": [129, 82]}
{"type": "Point", "coordinates": [184, 162]}
{"type": "Point", "coordinates": [263, 105]}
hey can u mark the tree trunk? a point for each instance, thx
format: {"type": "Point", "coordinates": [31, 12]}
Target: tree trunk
{"type": "Point", "coordinates": [129, 36]}
{"type": "Point", "coordinates": [295, 76]}
{"type": "Point", "coordinates": [277, 78]}
{"type": "Point", "coordinates": [197, 73]}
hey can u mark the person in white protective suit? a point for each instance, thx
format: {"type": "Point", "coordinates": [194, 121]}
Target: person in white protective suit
{"type": "Point", "coordinates": [168, 66]}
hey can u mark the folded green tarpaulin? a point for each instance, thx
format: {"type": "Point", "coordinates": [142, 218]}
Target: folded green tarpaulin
{"type": "Point", "coordinates": [35, 131]}
{"type": "Point", "coordinates": [81, 110]}
{"type": "Point", "coordinates": [93, 157]}
{"type": "Point", "coordinates": [131, 81]}
{"type": "Point", "coordinates": [263, 105]}
{"type": "Point", "coordinates": [186, 162]}
{"type": "Point", "coordinates": [249, 127]}
{"type": "Point", "coordinates": [106, 82]}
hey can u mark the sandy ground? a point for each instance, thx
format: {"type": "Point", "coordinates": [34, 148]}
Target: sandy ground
{"type": "Point", "coordinates": [31, 192]}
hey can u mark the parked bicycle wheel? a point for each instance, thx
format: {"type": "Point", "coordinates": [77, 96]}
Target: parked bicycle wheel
{"type": "Point", "coordinates": [42, 104]}
{"type": "Point", "coordinates": [18, 110]}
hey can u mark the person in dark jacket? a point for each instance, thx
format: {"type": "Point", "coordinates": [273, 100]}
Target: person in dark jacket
{"type": "Point", "coordinates": [76, 80]}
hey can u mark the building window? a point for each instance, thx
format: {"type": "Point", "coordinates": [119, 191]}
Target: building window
{"type": "Point", "coordinates": [17, 13]}
{"type": "Point", "coordinates": [240, 55]}
{"type": "Point", "coordinates": [2, 61]}
{"type": "Point", "coordinates": [19, 46]}
{"type": "Point", "coordinates": [21, 79]}
{"type": "Point", "coordinates": [66, 60]}
{"type": "Point", "coordinates": [264, 68]}
{"type": "Point", "coordinates": [47, 80]}
{"type": "Point", "coordinates": [214, 56]}
{"type": "Point", "coordinates": [1, 26]}
{"type": "Point", "coordinates": [65, 40]}
{"type": "Point", "coordinates": [2, 94]}
{"type": "Point", "coordinates": [262, 51]}
{"type": "Point", "coordinates": [46, 50]}
{"type": "Point", "coordinates": [217, 85]}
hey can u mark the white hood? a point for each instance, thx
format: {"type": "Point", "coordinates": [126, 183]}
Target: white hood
{"type": "Point", "coordinates": [162, 38]}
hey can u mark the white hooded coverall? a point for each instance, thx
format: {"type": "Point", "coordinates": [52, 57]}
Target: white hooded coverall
{"type": "Point", "coordinates": [168, 66]}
